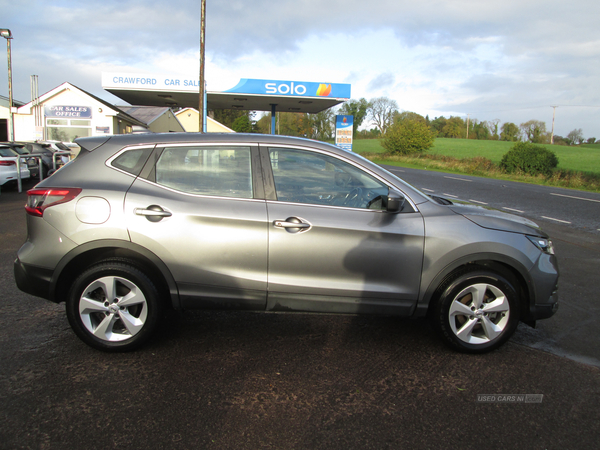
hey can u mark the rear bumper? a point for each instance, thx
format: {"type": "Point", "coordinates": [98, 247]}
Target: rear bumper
{"type": "Point", "coordinates": [33, 280]}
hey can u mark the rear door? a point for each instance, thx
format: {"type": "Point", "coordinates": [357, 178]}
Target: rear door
{"type": "Point", "coordinates": [333, 247]}
{"type": "Point", "coordinates": [197, 207]}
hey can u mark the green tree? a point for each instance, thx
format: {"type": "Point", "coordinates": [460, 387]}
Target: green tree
{"type": "Point", "coordinates": [263, 125]}
{"type": "Point", "coordinates": [356, 108]}
{"type": "Point", "coordinates": [492, 126]}
{"type": "Point", "coordinates": [243, 124]}
{"type": "Point", "coordinates": [227, 117]}
{"type": "Point", "coordinates": [480, 130]}
{"type": "Point", "coordinates": [382, 111]}
{"type": "Point", "coordinates": [293, 124]}
{"type": "Point", "coordinates": [409, 115]}
{"type": "Point", "coordinates": [510, 132]}
{"type": "Point", "coordinates": [455, 128]}
{"type": "Point", "coordinates": [575, 137]}
{"type": "Point", "coordinates": [437, 125]}
{"type": "Point", "coordinates": [322, 124]}
{"type": "Point", "coordinates": [407, 137]}
{"type": "Point", "coordinates": [535, 131]}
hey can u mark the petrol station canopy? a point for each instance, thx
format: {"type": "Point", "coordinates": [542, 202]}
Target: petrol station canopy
{"type": "Point", "coordinates": [248, 94]}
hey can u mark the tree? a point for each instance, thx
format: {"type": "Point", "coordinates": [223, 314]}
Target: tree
{"type": "Point", "coordinates": [575, 136]}
{"type": "Point", "coordinates": [591, 140]}
{"type": "Point", "coordinates": [322, 124]}
{"type": "Point", "coordinates": [356, 108]}
{"type": "Point", "coordinates": [408, 115]}
{"type": "Point", "coordinates": [243, 124]}
{"type": "Point", "coordinates": [480, 130]}
{"type": "Point", "coordinates": [381, 112]}
{"type": "Point", "coordinates": [535, 131]}
{"type": "Point", "coordinates": [492, 126]}
{"type": "Point", "coordinates": [510, 132]}
{"type": "Point", "coordinates": [455, 128]}
{"type": "Point", "coordinates": [227, 117]}
{"type": "Point", "coordinates": [408, 136]}
{"type": "Point", "coordinates": [293, 124]}
{"type": "Point", "coordinates": [437, 125]}
{"type": "Point", "coordinates": [263, 125]}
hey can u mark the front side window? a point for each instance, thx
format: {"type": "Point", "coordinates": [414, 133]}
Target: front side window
{"type": "Point", "coordinates": [309, 177]}
{"type": "Point", "coordinates": [215, 171]}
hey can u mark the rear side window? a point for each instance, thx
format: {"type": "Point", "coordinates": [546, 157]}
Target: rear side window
{"type": "Point", "coordinates": [132, 161]}
{"type": "Point", "coordinates": [215, 171]}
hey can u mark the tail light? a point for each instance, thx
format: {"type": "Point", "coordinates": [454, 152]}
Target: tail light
{"type": "Point", "coordinates": [40, 199]}
{"type": "Point", "coordinates": [8, 163]}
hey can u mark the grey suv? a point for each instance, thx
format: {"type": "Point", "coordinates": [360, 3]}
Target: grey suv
{"type": "Point", "coordinates": [140, 223]}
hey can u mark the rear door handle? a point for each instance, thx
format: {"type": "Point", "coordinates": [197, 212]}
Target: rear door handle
{"type": "Point", "coordinates": [153, 213]}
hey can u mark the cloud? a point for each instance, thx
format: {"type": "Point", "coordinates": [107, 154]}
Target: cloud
{"type": "Point", "coordinates": [432, 56]}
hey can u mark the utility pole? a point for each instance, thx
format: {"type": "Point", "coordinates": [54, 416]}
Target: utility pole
{"type": "Point", "coordinates": [5, 33]}
{"type": "Point", "coordinates": [201, 105]}
{"type": "Point", "coordinates": [552, 134]}
{"type": "Point", "coordinates": [468, 116]}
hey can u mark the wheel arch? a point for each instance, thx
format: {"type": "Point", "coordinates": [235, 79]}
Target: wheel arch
{"type": "Point", "coordinates": [89, 254]}
{"type": "Point", "coordinates": [512, 270]}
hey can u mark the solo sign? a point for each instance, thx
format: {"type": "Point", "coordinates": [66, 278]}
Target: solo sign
{"type": "Point", "coordinates": [291, 88]}
{"type": "Point", "coordinates": [343, 131]}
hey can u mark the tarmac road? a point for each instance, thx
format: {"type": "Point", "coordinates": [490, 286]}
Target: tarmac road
{"type": "Point", "coordinates": [243, 380]}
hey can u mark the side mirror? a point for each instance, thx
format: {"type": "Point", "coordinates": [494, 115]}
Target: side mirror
{"type": "Point", "coordinates": [395, 201]}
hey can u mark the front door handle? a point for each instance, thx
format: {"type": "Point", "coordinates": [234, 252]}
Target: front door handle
{"type": "Point", "coordinates": [293, 224]}
{"type": "Point", "coordinates": [153, 213]}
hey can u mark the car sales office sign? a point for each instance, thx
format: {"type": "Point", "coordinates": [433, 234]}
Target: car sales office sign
{"type": "Point", "coordinates": [68, 112]}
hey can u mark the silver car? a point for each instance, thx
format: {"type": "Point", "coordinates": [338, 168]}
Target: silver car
{"type": "Point", "coordinates": [140, 223]}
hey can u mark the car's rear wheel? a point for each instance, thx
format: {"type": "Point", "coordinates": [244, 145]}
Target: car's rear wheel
{"type": "Point", "coordinates": [476, 311]}
{"type": "Point", "coordinates": [113, 306]}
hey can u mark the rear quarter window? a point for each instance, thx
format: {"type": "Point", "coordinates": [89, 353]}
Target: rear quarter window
{"type": "Point", "coordinates": [132, 161]}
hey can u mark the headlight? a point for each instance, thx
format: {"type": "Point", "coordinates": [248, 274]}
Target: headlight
{"type": "Point", "coordinates": [543, 244]}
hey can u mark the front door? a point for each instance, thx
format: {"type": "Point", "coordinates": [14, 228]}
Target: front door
{"type": "Point", "coordinates": [333, 247]}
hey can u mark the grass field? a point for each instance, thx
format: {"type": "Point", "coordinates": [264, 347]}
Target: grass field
{"type": "Point", "coordinates": [582, 158]}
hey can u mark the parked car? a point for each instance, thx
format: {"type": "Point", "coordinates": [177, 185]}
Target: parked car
{"type": "Point", "coordinates": [139, 223]}
{"type": "Point", "coordinates": [32, 163]}
{"type": "Point", "coordinates": [58, 146]}
{"type": "Point", "coordinates": [8, 166]}
{"type": "Point", "coordinates": [46, 151]}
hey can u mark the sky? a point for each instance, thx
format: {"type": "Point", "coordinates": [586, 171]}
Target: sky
{"type": "Point", "coordinates": [510, 61]}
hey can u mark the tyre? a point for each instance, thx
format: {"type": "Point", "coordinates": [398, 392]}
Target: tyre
{"type": "Point", "coordinates": [476, 311]}
{"type": "Point", "coordinates": [113, 306]}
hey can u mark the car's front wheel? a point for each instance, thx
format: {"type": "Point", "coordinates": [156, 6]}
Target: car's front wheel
{"type": "Point", "coordinates": [113, 306]}
{"type": "Point", "coordinates": [476, 311]}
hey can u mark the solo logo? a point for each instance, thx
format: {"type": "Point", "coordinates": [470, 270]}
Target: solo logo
{"type": "Point", "coordinates": [295, 89]}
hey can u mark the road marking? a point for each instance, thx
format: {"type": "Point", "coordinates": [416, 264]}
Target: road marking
{"type": "Point", "coordinates": [398, 170]}
{"type": "Point", "coordinates": [475, 201]}
{"type": "Point", "coordinates": [576, 198]}
{"type": "Point", "coordinates": [512, 209]}
{"type": "Point", "coordinates": [428, 190]}
{"type": "Point", "coordinates": [459, 179]}
{"type": "Point", "coordinates": [556, 220]}
{"type": "Point", "coordinates": [450, 195]}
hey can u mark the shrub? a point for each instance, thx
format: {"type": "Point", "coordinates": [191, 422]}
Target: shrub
{"type": "Point", "coordinates": [408, 137]}
{"type": "Point", "coordinates": [528, 158]}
